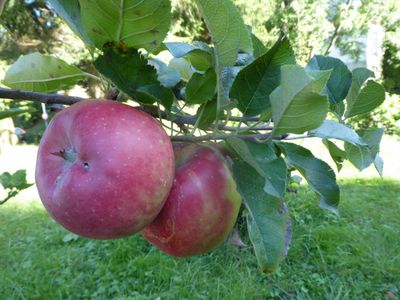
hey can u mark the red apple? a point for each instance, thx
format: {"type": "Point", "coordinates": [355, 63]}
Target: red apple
{"type": "Point", "coordinates": [104, 169]}
{"type": "Point", "coordinates": [202, 206]}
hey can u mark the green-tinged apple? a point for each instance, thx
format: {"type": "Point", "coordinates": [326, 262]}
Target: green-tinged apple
{"type": "Point", "coordinates": [202, 206]}
{"type": "Point", "coordinates": [104, 169]}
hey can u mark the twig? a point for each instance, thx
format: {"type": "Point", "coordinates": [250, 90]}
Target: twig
{"type": "Point", "coordinates": [259, 138]}
{"type": "Point", "coordinates": [39, 97]}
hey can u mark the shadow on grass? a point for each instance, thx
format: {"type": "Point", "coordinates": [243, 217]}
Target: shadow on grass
{"type": "Point", "coordinates": [354, 256]}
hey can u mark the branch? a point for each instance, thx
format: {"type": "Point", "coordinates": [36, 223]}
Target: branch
{"type": "Point", "coordinates": [38, 97]}
{"type": "Point", "coordinates": [338, 27]}
{"type": "Point", "coordinates": [210, 137]}
{"type": "Point", "coordinates": [20, 95]}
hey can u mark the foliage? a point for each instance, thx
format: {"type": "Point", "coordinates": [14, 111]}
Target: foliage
{"type": "Point", "coordinates": [386, 116]}
{"type": "Point", "coordinates": [354, 256]}
{"type": "Point", "coordinates": [13, 184]}
{"type": "Point", "coordinates": [250, 96]}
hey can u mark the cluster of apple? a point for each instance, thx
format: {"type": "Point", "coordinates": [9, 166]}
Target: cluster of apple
{"type": "Point", "coordinates": [107, 170]}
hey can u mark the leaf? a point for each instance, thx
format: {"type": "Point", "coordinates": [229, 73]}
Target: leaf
{"type": "Point", "coordinates": [360, 157]}
{"type": "Point", "coordinates": [41, 73]}
{"type": "Point", "coordinates": [229, 35]}
{"type": "Point", "coordinates": [275, 177]}
{"type": "Point", "coordinates": [258, 47]}
{"type": "Point", "coordinates": [338, 155]}
{"type": "Point", "coordinates": [183, 67]}
{"type": "Point", "coordinates": [340, 80]}
{"type": "Point", "coordinates": [267, 219]}
{"type": "Point", "coordinates": [379, 164]}
{"type": "Point", "coordinates": [254, 84]}
{"type": "Point", "coordinates": [228, 31]}
{"type": "Point", "coordinates": [319, 175]}
{"type": "Point", "coordinates": [227, 77]}
{"type": "Point", "coordinates": [296, 108]}
{"type": "Point", "coordinates": [70, 11]}
{"type": "Point", "coordinates": [370, 97]}
{"type": "Point", "coordinates": [199, 54]}
{"type": "Point", "coordinates": [262, 158]}
{"type": "Point", "coordinates": [363, 157]}
{"type": "Point", "coordinates": [14, 181]}
{"type": "Point", "coordinates": [15, 112]}
{"type": "Point", "coordinates": [333, 130]}
{"type": "Point", "coordinates": [373, 138]}
{"type": "Point", "coordinates": [135, 23]}
{"type": "Point", "coordinates": [131, 74]}
{"type": "Point", "coordinates": [359, 77]}
{"type": "Point", "coordinates": [166, 75]}
{"type": "Point", "coordinates": [201, 87]}
{"type": "Point", "coordinates": [156, 93]}
{"type": "Point", "coordinates": [241, 149]}
{"type": "Point", "coordinates": [207, 114]}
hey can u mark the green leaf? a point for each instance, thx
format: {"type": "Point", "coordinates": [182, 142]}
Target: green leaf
{"type": "Point", "coordinates": [319, 175]}
{"type": "Point", "coordinates": [156, 93]}
{"type": "Point", "coordinates": [363, 157]}
{"type": "Point", "coordinates": [131, 73]}
{"type": "Point", "coordinates": [199, 54]}
{"type": "Point", "coordinates": [70, 11]}
{"type": "Point", "coordinates": [359, 77]}
{"type": "Point", "coordinates": [183, 67]}
{"type": "Point", "coordinates": [166, 75]}
{"type": "Point", "coordinates": [262, 158]}
{"type": "Point", "coordinates": [201, 87]}
{"type": "Point", "coordinates": [41, 73]}
{"type": "Point", "coordinates": [258, 47]}
{"type": "Point", "coordinates": [135, 23]}
{"type": "Point", "coordinates": [254, 84]}
{"type": "Point", "coordinates": [207, 114]}
{"type": "Point", "coordinates": [242, 150]}
{"type": "Point", "coordinates": [370, 97]}
{"type": "Point", "coordinates": [228, 31]}
{"type": "Point", "coordinates": [267, 219]}
{"type": "Point", "coordinates": [229, 35]}
{"type": "Point", "coordinates": [373, 138]}
{"type": "Point", "coordinates": [338, 155]}
{"type": "Point", "coordinates": [296, 108]}
{"type": "Point", "coordinates": [360, 157]}
{"type": "Point", "coordinates": [340, 80]}
{"type": "Point", "coordinates": [275, 177]}
{"type": "Point", "coordinates": [333, 130]}
{"type": "Point", "coordinates": [14, 181]}
{"type": "Point", "coordinates": [15, 112]}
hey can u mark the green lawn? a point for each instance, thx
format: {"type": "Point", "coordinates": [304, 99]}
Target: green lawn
{"type": "Point", "coordinates": [354, 256]}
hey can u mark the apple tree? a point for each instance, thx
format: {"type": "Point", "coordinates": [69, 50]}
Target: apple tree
{"type": "Point", "coordinates": [233, 95]}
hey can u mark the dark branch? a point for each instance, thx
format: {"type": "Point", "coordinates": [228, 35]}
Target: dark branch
{"type": "Point", "coordinates": [39, 97]}
{"type": "Point", "coordinates": [68, 100]}
{"type": "Point", "coordinates": [211, 137]}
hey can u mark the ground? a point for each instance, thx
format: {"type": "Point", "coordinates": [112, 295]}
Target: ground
{"type": "Point", "coordinates": [351, 256]}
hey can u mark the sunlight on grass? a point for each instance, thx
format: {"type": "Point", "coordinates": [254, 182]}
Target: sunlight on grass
{"type": "Point", "coordinates": [354, 256]}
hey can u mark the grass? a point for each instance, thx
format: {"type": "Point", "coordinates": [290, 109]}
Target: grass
{"type": "Point", "coordinates": [354, 256]}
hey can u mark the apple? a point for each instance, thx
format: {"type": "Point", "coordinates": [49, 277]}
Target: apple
{"type": "Point", "coordinates": [202, 206]}
{"type": "Point", "coordinates": [104, 169]}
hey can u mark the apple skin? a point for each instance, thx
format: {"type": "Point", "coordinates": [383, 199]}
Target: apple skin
{"type": "Point", "coordinates": [202, 206]}
{"type": "Point", "coordinates": [104, 169]}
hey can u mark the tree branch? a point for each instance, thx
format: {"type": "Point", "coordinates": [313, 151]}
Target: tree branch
{"type": "Point", "coordinates": [38, 97]}
{"type": "Point", "coordinates": [210, 137]}
{"type": "Point", "coordinates": [20, 95]}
